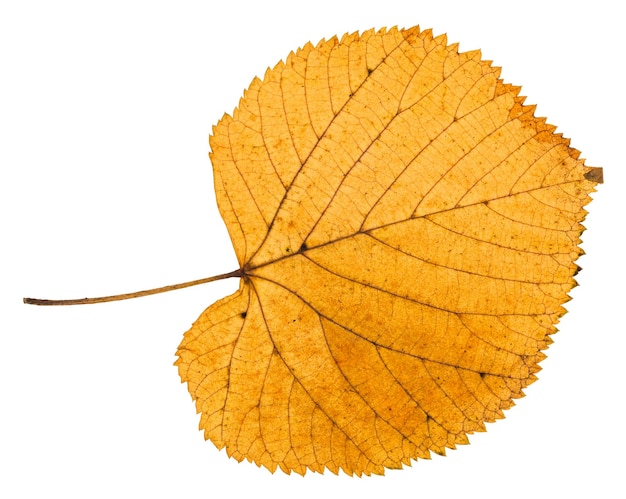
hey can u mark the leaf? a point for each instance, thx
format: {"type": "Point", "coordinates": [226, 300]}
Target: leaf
{"type": "Point", "coordinates": [407, 233]}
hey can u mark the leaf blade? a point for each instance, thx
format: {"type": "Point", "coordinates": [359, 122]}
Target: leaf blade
{"type": "Point", "coordinates": [407, 232]}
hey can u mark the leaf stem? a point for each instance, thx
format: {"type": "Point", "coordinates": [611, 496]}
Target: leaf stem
{"type": "Point", "coordinates": [136, 294]}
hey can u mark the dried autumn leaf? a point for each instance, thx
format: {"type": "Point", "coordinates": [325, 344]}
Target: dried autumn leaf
{"type": "Point", "coordinates": [406, 231]}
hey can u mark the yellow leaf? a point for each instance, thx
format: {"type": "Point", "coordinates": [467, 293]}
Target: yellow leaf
{"type": "Point", "coordinates": [406, 232]}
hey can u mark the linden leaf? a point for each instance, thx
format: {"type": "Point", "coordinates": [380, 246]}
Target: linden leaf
{"type": "Point", "coordinates": [406, 232]}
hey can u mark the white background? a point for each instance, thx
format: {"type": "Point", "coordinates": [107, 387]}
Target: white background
{"type": "Point", "coordinates": [106, 187]}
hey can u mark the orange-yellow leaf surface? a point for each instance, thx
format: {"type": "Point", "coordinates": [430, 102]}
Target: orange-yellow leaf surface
{"type": "Point", "coordinates": [407, 233]}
